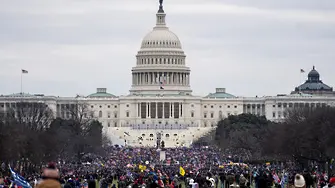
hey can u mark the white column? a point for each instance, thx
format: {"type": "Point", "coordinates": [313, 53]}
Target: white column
{"type": "Point", "coordinates": [163, 110]}
{"type": "Point", "coordinates": [179, 110]}
{"type": "Point", "coordinates": [168, 78]}
{"type": "Point", "coordinates": [156, 110]}
{"type": "Point", "coordinates": [143, 78]}
{"type": "Point", "coordinates": [139, 79]}
{"type": "Point", "coordinates": [149, 78]}
{"type": "Point", "coordinates": [140, 109]}
{"type": "Point", "coordinates": [156, 78]}
{"type": "Point", "coordinates": [136, 79]}
{"type": "Point", "coordinates": [186, 77]}
{"type": "Point", "coordinates": [177, 78]}
{"type": "Point", "coordinates": [172, 75]}
{"type": "Point", "coordinates": [148, 110]}
{"type": "Point", "coordinates": [173, 110]}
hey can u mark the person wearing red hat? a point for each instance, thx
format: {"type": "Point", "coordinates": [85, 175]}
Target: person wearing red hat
{"type": "Point", "coordinates": [331, 182]}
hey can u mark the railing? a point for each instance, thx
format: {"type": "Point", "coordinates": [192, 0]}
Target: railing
{"type": "Point", "coordinates": [162, 126]}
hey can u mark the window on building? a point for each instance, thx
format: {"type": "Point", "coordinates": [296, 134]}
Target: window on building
{"type": "Point", "coordinates": [151, 135]}
{"type": "Point", "coordinates": [109, 115]}
{"type": "Point", "coordinates": [115, 106]}
{"type": "Point", "coordinates": [175, 135]}
{"type": "Point", "coordinates": [92, 106]}
{"type": "Point", "coordinates": [127, 114]}
{"type": "Point", "coordinates": [100, 114]}
{"type": "Point", "coordinates": [235, 106]}
{"type": "Point", "coordinates": [143, 135]}
{"type": "Point", "coordinates": [279, 105]}
{"type": "Point", "coordinates": [108, 124]}
{"type": "Point", "coordinates": [100, 106]}
{"type": "Point", "coordinates": [115, 124]}
{"type": "Point", "coordinates": [228, 106]}
{"type": "Point", "coordinates": [212, 106]}
{"type": "Point", "coordinates": [212, 115]}
{"type": "Point", "coordinates": [274, 106]}
{"type": "Point", "coordinates": [109, 106]}
{"type": "Point", "coordinates": [205, 115]}
{"type": "Point", "coordinates": [167, 135]}
{"type": "Point", "coordinates": [205, 106]}
{"type": "Point", "coordinates": [127, 105]}
{"type": "Point", "coordinates": [115, 115]}
{"type": "Point", "coordinates": [192, 114]}
{"type": "Point", "coordinates": [273, 114]}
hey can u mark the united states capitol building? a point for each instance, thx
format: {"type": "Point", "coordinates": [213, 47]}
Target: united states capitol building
{"type": "Point", "coordinates": [161, 101]}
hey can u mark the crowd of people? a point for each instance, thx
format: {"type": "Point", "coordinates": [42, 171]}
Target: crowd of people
{"type": "Point", "coordinates": [199, 167]}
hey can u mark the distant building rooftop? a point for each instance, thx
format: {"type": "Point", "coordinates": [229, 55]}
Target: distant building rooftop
{"type": "Point", "coordinates": [220, 93]}
{"type": "Point", "coordinates": [101, 92]}
{"type": "Point", "coordinates": [313, 85]}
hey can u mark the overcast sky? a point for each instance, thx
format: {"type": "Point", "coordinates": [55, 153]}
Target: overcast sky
{"type": "Point", "coordinates": [249, 47]}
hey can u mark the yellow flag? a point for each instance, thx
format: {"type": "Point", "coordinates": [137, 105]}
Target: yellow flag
{"type": "Point", "coordinates": [142, 167]}
{"type": "Point", "coordinates": [182, 171]}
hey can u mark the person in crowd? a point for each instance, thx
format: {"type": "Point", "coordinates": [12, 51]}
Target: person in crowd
{"type": "Point", "coordinates": [299, 181]}
{"type": "Point", "coordinates": [50, 177]}
{"type": "Point", "coordinates": [331, 183]}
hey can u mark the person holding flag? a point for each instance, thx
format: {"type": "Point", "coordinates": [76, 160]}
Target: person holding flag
{"type": "Point", "coordinates": [182, 171]}
{"type": "Point", "coordinates": [19, 180]}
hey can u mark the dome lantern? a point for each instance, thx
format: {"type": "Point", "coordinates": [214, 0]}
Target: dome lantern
{"type": "Point", "coordinates": [313, 75]}
{"type": "Point", "coordinates": [160, 16]}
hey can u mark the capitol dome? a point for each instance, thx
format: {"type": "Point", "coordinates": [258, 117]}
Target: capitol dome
{"type": "Point", "coordinates": [161, 38]}
{"type": "Point", "coordinates": [161, 63]}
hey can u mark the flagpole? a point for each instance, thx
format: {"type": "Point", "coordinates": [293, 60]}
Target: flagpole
{"type": "Point", "coordinates": [302, 71]}
{"type": "Point", "coordinates": [21, 82]}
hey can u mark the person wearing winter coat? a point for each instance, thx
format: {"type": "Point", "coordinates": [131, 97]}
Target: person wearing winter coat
{"type": "Point", "coordinates": [50, 177]}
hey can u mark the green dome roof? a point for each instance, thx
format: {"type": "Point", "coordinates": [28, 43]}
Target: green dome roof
{"type": "Point", "coordinates": [101, 92]}
{"type": "Point", "coordinates": [220, 93]}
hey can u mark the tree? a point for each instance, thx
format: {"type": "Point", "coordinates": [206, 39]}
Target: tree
{"type": "Point", "coordinates": [30, 133]}
{"type": "Point", "coordinates": [240, 134]}
{"type": "Point", "coordinates": [307, 134]}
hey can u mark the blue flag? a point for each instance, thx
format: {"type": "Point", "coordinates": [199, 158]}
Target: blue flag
{"type": "Point", "coordinates": [19, 180]}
